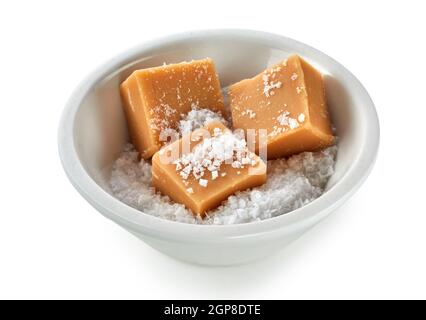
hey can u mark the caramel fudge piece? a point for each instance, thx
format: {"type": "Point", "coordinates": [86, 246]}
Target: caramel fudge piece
{"type": "Point", "coordinates": [288, 100]}
{"type": "Point", "coordinates": [205, 167]}
{"type": "Point", "coordinates": [154, 100]}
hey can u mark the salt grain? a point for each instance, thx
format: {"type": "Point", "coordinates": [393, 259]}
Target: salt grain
{"type": "Point", "coordinates": [250, 113]}
{"type": "Point", "coordinates": [215, 174]}
{"type": "Point", "coordinates": [292, 123]}
{"type": "Point", "coordinates": [283, 118]}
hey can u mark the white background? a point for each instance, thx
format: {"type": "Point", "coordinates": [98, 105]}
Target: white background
{"type": "Point", "coordinates": [55, 245]}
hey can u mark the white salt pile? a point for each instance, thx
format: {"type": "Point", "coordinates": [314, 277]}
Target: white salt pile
{"type": "Point", "coordinates": [291, 184]}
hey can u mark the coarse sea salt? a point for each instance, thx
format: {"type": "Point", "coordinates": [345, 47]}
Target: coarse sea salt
{"type": "Point", "coordinates": [291, 184]}
{"type": "Point", "coordinates": [198, 118]}
{"type": "Point", "coordinates": [209, 155]}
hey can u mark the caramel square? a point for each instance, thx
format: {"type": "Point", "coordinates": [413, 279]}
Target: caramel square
{"type": "Point", "coordinates": [155, 99]}
{"type": "Point", "coordinates": [204, 175]}
{"type": "Point", "coordinates": [288, 101]}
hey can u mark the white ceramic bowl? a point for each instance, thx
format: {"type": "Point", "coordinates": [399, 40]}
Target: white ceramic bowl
{"type": "Point", "coordinates": [93, 131]}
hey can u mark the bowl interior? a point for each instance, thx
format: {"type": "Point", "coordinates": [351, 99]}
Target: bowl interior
{"type": "Point", "coordinates": [100, 130]}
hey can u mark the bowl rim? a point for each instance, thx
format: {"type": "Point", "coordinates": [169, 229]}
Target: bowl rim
{"type": "Point", "coordinates": [155, 227]}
